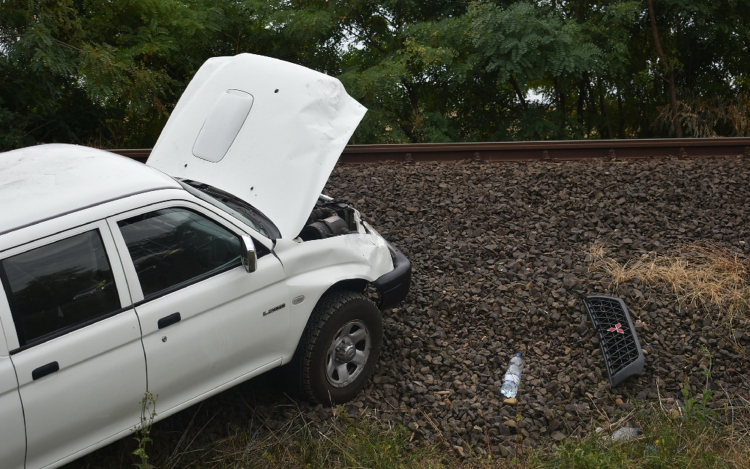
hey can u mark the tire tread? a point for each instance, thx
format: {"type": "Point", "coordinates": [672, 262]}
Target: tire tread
{"type": "Point", "coordinates": [322, 314]}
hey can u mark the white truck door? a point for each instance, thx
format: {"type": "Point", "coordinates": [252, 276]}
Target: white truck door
{"type": "Point", "coordinates": [206, 321]}
{"type": "Point", "coordinates": [13, 440]}
{"type": "Point", "coordinates": [78, 355]}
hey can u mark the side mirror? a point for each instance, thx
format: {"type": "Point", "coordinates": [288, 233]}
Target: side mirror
{"type": "Point", "coordinates": [248, 255]}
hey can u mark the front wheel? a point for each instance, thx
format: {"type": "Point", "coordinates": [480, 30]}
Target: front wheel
{"type": "Point", "coordinates": [340, 347]}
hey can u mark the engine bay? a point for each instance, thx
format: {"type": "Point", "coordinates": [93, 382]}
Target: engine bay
{"type": "Point", "coordinates": [329, 218]}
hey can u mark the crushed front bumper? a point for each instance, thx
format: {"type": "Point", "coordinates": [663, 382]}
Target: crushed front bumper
{"type": "Point", "coordinates": [394, 286]}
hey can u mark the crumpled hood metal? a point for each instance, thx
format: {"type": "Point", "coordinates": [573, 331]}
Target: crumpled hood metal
{"type": "Point", "coordinates": [267, 131]}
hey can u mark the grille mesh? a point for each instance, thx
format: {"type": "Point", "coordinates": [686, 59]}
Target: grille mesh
{"type": "Point", "coordinates": [617, 337]}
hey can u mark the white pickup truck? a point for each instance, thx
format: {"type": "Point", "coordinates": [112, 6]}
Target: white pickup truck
{"type": "Point", "coordinates": [216, 261]}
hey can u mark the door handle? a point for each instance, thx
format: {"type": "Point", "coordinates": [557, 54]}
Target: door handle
{"type": "Point", "coordinates": [169, 320]}
{"type": "Point", "coordinates": [45, 370]}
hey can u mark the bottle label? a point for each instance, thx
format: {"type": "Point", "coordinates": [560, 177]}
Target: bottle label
{"type": "Point", "coordinates": [512, 378]}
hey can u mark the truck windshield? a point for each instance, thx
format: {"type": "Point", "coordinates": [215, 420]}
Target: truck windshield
{"type": "Point", "coordinates": [234, 206]}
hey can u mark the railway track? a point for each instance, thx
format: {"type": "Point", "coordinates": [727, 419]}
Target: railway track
{"type": "Point", "coordinates": [560, 150]}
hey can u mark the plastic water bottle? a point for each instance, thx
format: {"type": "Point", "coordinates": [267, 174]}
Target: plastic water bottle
{"type": "Point", "coordinates": [512, 376]}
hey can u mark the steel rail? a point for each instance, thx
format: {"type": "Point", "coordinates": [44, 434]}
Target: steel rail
{"type": "Point", "coordinates": [552, 150]}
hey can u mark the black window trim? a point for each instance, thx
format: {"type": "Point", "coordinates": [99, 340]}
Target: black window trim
{"type": "Point", "coordinates": [211, 212]}
{"type": "Point", "coordinates": [220, 270]}
{"type": "Point", "coordinates": [218, 216]}
{"type": "Point", "coordinates": [69, 329]}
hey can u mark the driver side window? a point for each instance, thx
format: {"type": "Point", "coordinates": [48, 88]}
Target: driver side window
{"type": "Point", "coordinates": [174, 247]}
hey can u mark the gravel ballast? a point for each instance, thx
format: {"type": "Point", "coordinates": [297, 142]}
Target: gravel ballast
{"type": "Point", "coordinates": [500, 265]}
{"type": "Point", "coordinates": [500, 255]}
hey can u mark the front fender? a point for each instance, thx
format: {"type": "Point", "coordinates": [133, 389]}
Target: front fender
{"type": "Point", "coordinates": [312, 267]}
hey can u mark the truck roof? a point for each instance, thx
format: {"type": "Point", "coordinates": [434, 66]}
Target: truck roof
{"type": "Point", "coordinates": [45, 181]}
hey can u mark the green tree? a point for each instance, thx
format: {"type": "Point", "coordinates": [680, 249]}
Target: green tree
{"type": "Point", "coordinates": [109, 73]}
{"type": "Point", "coordinates": [706, 48]}
{"type": "Point", "coordinates": [526, 45]}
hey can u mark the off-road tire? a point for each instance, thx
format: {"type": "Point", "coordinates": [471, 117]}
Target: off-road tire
{"type": "Point", "coordinates": [334, 311]}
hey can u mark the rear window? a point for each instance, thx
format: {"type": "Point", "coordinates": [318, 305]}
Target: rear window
{"type": "Point", "coordinates": [59, 286]}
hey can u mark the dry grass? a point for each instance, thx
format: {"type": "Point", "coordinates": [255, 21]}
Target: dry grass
{"type": "Point", "coordinates": [707, 276]}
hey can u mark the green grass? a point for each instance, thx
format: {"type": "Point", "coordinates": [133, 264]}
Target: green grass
{"type": "Point", "coordinates": [687, 434]}
{"type": "Point", "coordinates": [343, 443]}
{"type": "Point", "coordinates": [667, 442]}
{"type": "Point", "coordinates": [676, 434]}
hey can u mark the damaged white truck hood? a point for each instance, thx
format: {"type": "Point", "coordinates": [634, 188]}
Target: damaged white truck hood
{"type": "Point", "coordinates": [267, 131]}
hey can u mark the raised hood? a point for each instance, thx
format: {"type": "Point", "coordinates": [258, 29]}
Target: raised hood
{"type": "Point", "coordinates": [267, 131]}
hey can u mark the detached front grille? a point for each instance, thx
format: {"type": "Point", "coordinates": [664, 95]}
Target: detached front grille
{"type": "Point", "coordinates": [617, 337]}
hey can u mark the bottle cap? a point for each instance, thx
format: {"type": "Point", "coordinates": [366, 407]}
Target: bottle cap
{"type": "Point", "coordinates": [518, 354]}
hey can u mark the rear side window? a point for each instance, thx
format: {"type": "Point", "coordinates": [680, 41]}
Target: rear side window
{"type": "Point", "coordinates": [59, 286]}
{"type": "Point", "coordinates": [173, 247]}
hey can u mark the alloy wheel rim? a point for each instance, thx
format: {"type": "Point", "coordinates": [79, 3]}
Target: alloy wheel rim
{"type": "Point", "coordinates": [348, 354]}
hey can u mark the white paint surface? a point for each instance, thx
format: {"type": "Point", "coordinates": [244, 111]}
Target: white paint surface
{"type": "Point", "coordinates": [222, 333]}
{"type": "Point", "coordinates": [281, 158]}
{"type": "Point", "coordinates": [12, 436]}
{"type": "Point", "coordinates": [93, 396]}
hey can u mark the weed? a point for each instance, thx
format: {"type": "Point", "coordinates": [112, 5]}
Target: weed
{"type": "Point", "coordinates": [709, 365]}
{"type": "Point", "coordinates": [696, 408]}
{"type": "Point", "coordinates": [143, 431]}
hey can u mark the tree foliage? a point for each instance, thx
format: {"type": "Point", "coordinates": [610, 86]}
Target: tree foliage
{"type": "Point", "coordinates": [109, 73]}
